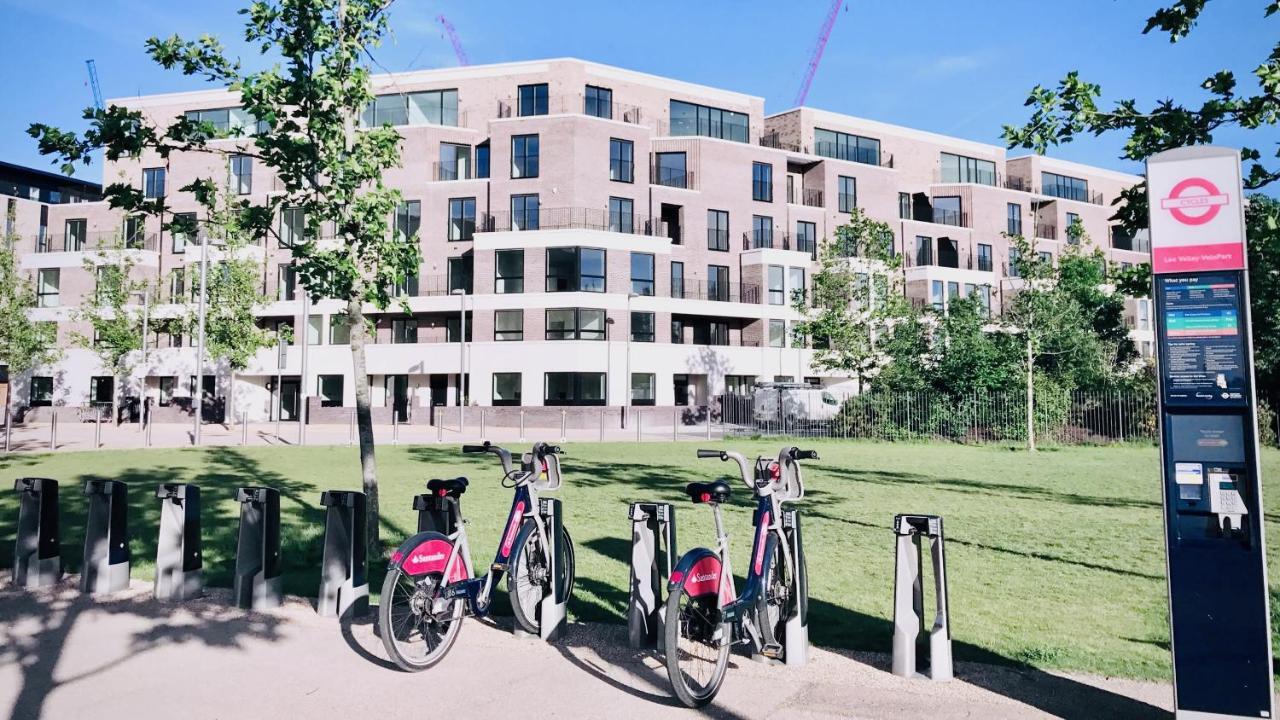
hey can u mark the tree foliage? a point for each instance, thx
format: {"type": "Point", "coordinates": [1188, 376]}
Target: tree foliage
{"type": "Point", "coordinates": [24, 343]}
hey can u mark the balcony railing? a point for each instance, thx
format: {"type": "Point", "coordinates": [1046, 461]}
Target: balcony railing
{"type": "Point", "coordinates": [753, 240]}
{"type": "Point", "coordinates": [865, 156]}
{"type": "Point", "coordinates": [775, 141]}
{"type": "Point", "coordinates": [1071, 192]}
{"type": "Point", "coordinates": [944, 216]}
{"type": "Point", "coordinates": [1046, 231]}
{"type": "Point", "coordinates": [451, 171]}
{"type": "Point", "coordinates": [670, 177]}
{"type": "Point", "coordinates": [809, 197]}
{"type": "Point", "coordinates": [720, 292]}
{"type": "Point", "coordinates": [576, 104]}
{"type": "Point", "coordinates": [110, 240]}
{"type": "Point", "coordinates": [572, 219]}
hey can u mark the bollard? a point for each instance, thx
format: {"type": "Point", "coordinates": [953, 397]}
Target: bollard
{"type": "Point", "coordinates": [436, 512]}
{"type": "Point", "coordinates": [147, 434]}
{"type": "Point", "coordinates": [395, 429]}
{"type": "Point", "coordinates": [439, 430]}
{"type": "Point", "coordinates": [639, 420]}
{"type": "Point", "coordinates": [257, 579]}
{"type": "Point", "coordinates": [795, 645]}
{"type": "Point", "coordinates": [522, 426]}
{"type": "Point", "coordinates": [97, 430]}
{"type": "Point", "coordinates": [179, 565]}
{"type": "Point", "coordinates": [482, 432]}
{"type": "Point", "coordinates": [601, 424]}
{"type": "Point", "coordinates": [675, 423]}
{"type": "Point", "coordinates": [37, 554]}
{"type": "Point", "coordinates": [351, 428]}
{"type": "Point", "coordinates": [344, 583]}
{"type": "Point", "coordinates": [708, 422]}
{"type": "Point", "coordinates": [244, 428]}
{"type": "Point", "coordinates": [53, 432]}
{"type": "Point", "coordinates": [564, 415]}
{"type": "Point", "coordinates": [106, 538]}
{"type": "Point", "coordinates": [908, 599]}
{"type": "Point", "coordinates": [278, 438]}
{"type": "Point", "coordinates": [552, 607]}
{"type": "Point", "coordinates": [8, 434]}
{"type": "Point", "coordinates": [653, 531]}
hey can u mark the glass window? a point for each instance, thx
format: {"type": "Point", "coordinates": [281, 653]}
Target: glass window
{"type": "Point", "coordinates": [575, 324]}
{"type": "Point", "coordinates": [1063, 186]}
{"type": "Point", "coordinates": [762, 182]}
{"type": "Point", "coordinates": [848, 193]}
{"type": "Point", "coordinates": [712, 332]}
{"type": "Point", "coordinates": [315, 330]}
{"type": "Point", "coordinates": [642, 273]}
{"type": "Point", "coordinates": [621, 215]}
{"type": "Point", "coordinates": [643, 388]}
{"type": "Point", "coordinates": [41, 391]}
{"type": "Point", "coordinates": [904, 205]}
{"type": "Point", "coordinates": [524, 156]}
{"type": "Point", "coordinates": [1045, 256]}
{"type": "Point", "coordinates": [796, 287]}
{"type": "Point", "coordinates": [1015, 268]}
{"type": "Point", "coordinates": [183, 231]}
{"type": "Point", "coordinates": [506, 389]}
{"type": "Point", "coordinates": [286, 282]}
{"type": "Point", "coordinates": [508, 271]}
{"type": "Point", "coordinates": [431, 107]}
{"type": "Point", "coordinates": [677, 279]}
{"type": "Point", "coordinates": [219, 118]}
{"type": "Point", "coordinates": [777, 333]}
{"type": "Point", "coordinates": [460, 270]}
{"type": "Point", "coordinates": [75, 234]}
{"type": "Point", "coordinates": [642, 327]}
{"type": "Point", "coordinates": [573, 388]}
{"type": "Point", "coordinates": [532, 100]}
{"type": "Point", "coordinates": [677, 331]}
{"type": "Point", "coordinates": [691, 119]}
{"type": "Point", "coordinates": [135, 232]}
{"type": "Point", "coordinates": [408, 218]}
{"type": "Point", "coordinates": [961, 169]}
{"type": "Point", "coordinates": [621, 160]}
{"type": "Point", "coordinates": [777, 291]}
{"type": "Point", "coordinates": [1073, 230]}
{"type": "Point", "coordinates": [177, 285]}
{"type": "Point", "coordinates": [153, 183]}
{"type": "Point", "coordinates": [718, 230]}
{"type": "Point", "coordinates": [1014, 223]}
{"type": "Point", "coordinates": [48, 280]}
{"type": "Point", "coordinates": [718, 282]}
{"type": "Point", "coordinates": [452, 328]}
{"type": "Point", "coordinates": [102, 389]}
{"type": "Point", "coordinates": [329, 388]}
{"type": "Point", "coordinates": [806, 237]}
{"type": "Point", "coordinates": [843, 146]}
{"type": "Point", "coordinates": [168, 384]}
{"type": "Point", "coordinates": [936, 296]}
{"type": "Point", "coordinates": [404, 331]}
{"type": "Point", "coordinates": [575, 269]}
{"type": "Point", "coordinates": [924, 250]}
{"type": "Point", "coordinates": [761, 231]}
{"type": "Point", "coordinates": [293, 226]}
{"type": "Point", "coordinates": [455, 162]}
{"type": "Point", "coordinates": [984, 257]}
{"type": "Point", "coordinates": [462, 219]}
{"type": "Point", "coordinates": [242, 174]}
{"type": "Point", "coordinates": [482, 160]}
{"type": "Point", "coordinates": [339, 330]}
{"type": "Point", "coordinates": [599, 102]}
{"type": "Point", "coordinates": [947, 211]}
{"type": "Point", "coordinates": [524, 212]}
{"type": "Point", "coordinates": [508, 325]}
{"type": "Point", "coordinates": [671, 169]}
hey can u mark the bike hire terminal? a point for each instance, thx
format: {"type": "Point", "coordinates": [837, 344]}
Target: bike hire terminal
{"type": "Point", "coordinates": [1218, 602]}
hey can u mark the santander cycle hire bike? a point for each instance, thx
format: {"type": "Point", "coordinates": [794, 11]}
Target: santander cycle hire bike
{"type": "Point", "coordinates": [431, 583]}
{"type": "Point", "coordinates": [704, 618]}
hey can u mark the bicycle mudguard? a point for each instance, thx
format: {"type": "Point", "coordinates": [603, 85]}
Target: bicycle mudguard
{"type": "Point", "coordinates": [428, 552]}
{"type": "Point", "coordinates": [698, 573]}
{"type": "Point", "coordinates": [521, 536]}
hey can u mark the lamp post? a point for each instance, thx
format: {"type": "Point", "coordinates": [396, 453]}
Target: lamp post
{"type": "Point", "coordinates": [630, 332]}
{"type": "Point", "coordinates": [197, 393]}
{"type": "Point", "coordinates": [142, 381]}
{"type": "Point", "coordinates": [302, 376]}
{"type": "Point", "coordinates": [462, 357]}
{"type": "Point", "coordinates": [608, 357]}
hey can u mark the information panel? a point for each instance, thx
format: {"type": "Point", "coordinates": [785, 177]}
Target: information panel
{"type": "Point", "coordinates": [1202, 339]}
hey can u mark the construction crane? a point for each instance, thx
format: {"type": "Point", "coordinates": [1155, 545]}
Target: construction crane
{"type": "Point", "coordinates": [453, 38]}
{"type": "Point", "coordinates": [93, 83]}
{"type": "Point", "coordinates": [818, 47]}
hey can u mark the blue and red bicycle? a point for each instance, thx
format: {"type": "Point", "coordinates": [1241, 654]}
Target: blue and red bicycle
{"type": "Point", "coordinates": [703, 616]}
{"type": "Point", "coordinates": [431, 584]}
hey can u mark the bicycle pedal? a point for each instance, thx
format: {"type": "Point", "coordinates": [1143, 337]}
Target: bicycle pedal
{"type": "Point", "coordinates": [498, 567]}
{"type": "Point", "coordinates": [773, 651]}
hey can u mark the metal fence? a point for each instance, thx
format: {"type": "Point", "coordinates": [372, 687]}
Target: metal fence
{"type": "Point", "coordinates": [1079, 417]}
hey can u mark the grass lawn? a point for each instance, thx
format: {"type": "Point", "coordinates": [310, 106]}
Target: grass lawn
{"type": "Point", "coordinates": [1055, 560]}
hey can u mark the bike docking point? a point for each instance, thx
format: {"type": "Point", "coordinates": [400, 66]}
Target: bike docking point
{"type": "Point", "coordinates": [653, 532]}
{"type": "Point", "coordinates": [37, 552]}
{"type": "Point", "coordinates": [908, 600]}
{"type": "Point", "coordinates": [257, 578]}
{"type": "Point", "coordinates": [344, 583]}
{"type": "Point", "coordinates": [795, 645]}
{"type": "Point", "coordinates": [106, 538]}
{"type": "Point", "coordinates": [554, 603]}
{"type": "Point", "coordinates": [179, 565]}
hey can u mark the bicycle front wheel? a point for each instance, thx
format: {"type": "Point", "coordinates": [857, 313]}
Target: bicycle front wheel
{"type": "Point", "coordinates": [530, 579]}
{"type": "Point", "coordinates": [697, 642]}
{"type": "Point", "coordinates": [416, 637]}
{"type": "Point", "coordinates": [774, 605]}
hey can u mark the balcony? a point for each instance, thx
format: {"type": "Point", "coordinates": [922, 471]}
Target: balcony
{"type": "Point", "coordinates": [429, 286]}
{"type": "Point", "coordinates": [111, 240]}
{"type": "Point", "coordinates": [671, 177]}
{"type": "Point", "coordinates": [809, 197]}
{"type": "Point", "coordinates": [717, 291]}
{"type": "Point", "coordinates": [947, 216]}
{"type": "Point", "coordinates": [446, 171]}
{"type": "Point", "coordinates": [861, 155]}
{"type": "Point", "coordinates": [1071, 192]}
{"type": "Point", "coordinates": [576, 104]}
{"type": "Point", "coordinates": [773, 140]}
{"type": "Point", "coordinates": [1046, 231]}
{"type": "Point", "coordinates": [572, 219]}
{"type": "Point", "coordinates": [753, 240]}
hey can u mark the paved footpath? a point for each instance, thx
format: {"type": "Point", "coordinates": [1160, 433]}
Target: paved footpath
{"type": "Point", "coordinates": [63, 655]}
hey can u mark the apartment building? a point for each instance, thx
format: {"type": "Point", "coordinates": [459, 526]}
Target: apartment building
{"type": "Point", "coordinates": [590, 236]}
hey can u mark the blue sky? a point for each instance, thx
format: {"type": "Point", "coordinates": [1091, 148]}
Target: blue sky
{"type": "Point", "coordinates": [959, 68]}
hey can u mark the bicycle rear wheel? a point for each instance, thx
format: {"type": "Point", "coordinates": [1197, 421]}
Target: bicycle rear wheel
{"type": "Point", "coordinates": [697, 642]}
{"type": "Point", "coordinates": [414, 636]}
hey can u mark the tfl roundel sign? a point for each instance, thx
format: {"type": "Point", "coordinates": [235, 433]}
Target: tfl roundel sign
{"type": "Point", "coordinates": [1196, 220]}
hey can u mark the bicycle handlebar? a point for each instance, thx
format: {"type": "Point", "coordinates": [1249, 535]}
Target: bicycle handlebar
{"type": "Point", "coordinates": [711, 454]}
{"type": "Point", "coordinates": [475, 448]}
{"type": "Point", "coordinates": [503, 455]}
{"type": "Point", "coordinates": [743, 466]}
{"type": "Point", "coordinates": [798, 454]}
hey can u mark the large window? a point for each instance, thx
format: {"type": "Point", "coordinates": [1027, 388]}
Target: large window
{"type": "Point", "coordinates": [961, 169]}
{"type": "Point", "coordinates": [329, 388]}
{"type": "Point", "coordinates": [904, 206]}
{"type": "Point", "coordinates": [506, 389]}
{"type": "Point", "coordinates": [1014, 219]}
{"type": "Point", "coordinates": [1062, 186]}
{"type": "Point", "coordinates": [293, 226]}
{"type": "Point", "coordinates": [621, 215]}
{"type": "Point", "coordinates": [643, 388]}
{"type": "Point", "coordinates": [315, 330]}
{"type": "Point", "coordinates": [532, 100]}
{"type": "Point", "coordinates": [1073, 229]}
{"type": "Point", "coordinates": [286, 282]}
{"type": "Point", "coordinates": [153, 183]}
{"type": "Point", "coordinates": [573, 388]}
{"type": "Point", "coordinates": [796, 287]}
{"type": "Point", "coordinates": [924, 250]}
{"type": "Point", "coordinates": [433, 107]}
{"type": "Point", "coordinates": [712, 332]}
{"type": "Point", "coordinates": [508, 325]}
{"type": "Point", "coordinates": [843, 146]}
{"type": "Point", "coordinates": [642, 273]}
{"type": "Point", "coordinates": [671, 169]}
{"type": "Point", "coordinates": [460, 270]}
{"type": "Point", "coordinates": [453, 328]}
{"type": "Point", "coordinates": [455, 162]}
{"type": "Point", "coordinates": [677, 279]}
{"type": "Point", "coordinates": [102, 389]}
{"type": "Point", "coordinates": [48, 281]}
{"type": "Point", "coordinates": [718, 230]}
{"type": "Point", "coordinates": [847, 193]}
{"type": "Point", "coordinates": [242, 174]}
{"type": "Point", "coordinates": [718, 282]}
{"type": "Point", "coordinates": [168, 384]}
{"type": "Point", "coordinates": [622, 167]}
{"type": "Point", "coordinates": [408, 218]}
{"type": "Point", "coordinates": [524, 212]}
{"type": "Point", "coordinates": [575, 269]}
{"type": "Point", "coordinates": [984, 257]}
{"type": "Point", "coordinates": [404, 331]}
{"type": "Point", "coordinates": [227, 121]}
{"type": "Point", "coordinates": [339, 330]}
{"type": "Point", "coordinates": [806, 236]}
{"type": "Point", "coordinates": [508, 268]}
{"type": "Point", "coordinates": [41, 391]}
{"type": "Point", "coordinates": [777, 285]}
{"type": "Point", "coordinates": [482, 160]}
{"type": "Point", "coordinates": [947, 210]}
{"type": "Point", "coordinates": [524, 156]}
{"type": "Point", "coordinates": [177, 285]}
{"type": "Point", "coordinates": [777, 333]}
{"type": "Point", "coordinates": [642, 326]}
{"type": "Point", "coordinates": [135, 232]}
{"type": "Point", "coordinates": [575, 324]}
{"type": "Point", "coordinates": [75, 234]}
{"type": "Point", "coordinates": [762, 182]}
{"type": "Point", "coordinates": [598, 102]}
{"type": "Point", "coordinates": [691, 119]}
{"type": "Point", "coordinates": [677, 331]}
{"type": "Point", "coordinates": [462, 219]}
{"type": "Point", "coordinates": [761, 231]}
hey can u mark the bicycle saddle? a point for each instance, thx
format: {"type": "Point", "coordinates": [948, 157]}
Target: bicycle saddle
{"type": "Point", "coordinates": [716, 492]}
{"type": "Point", "coordinates": [452, 487]}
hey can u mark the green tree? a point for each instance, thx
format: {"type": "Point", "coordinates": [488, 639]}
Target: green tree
{"type": "Point", "coordinates": [306, 106]}
{"type": "Point", "coordinates": [24, 343]}
{"type": "Point", "coordinates": [857, 298]}
{"type": "Point", "coordinates": [115, 321]}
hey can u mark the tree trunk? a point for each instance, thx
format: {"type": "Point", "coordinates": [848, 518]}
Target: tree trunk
{"type": "Point", "coordinates": [1031, 398]}
{"type": "Point", "coordinates": [364, 421]}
